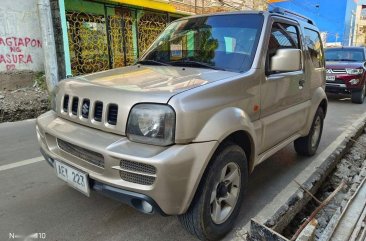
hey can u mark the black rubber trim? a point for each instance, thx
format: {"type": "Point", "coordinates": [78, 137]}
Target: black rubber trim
{"type": "Point", "coordinates": [49, 160]}
{"type": "Point", "coordinates": [124, 196]}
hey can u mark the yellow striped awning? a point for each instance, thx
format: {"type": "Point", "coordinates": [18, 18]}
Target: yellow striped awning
{"type": "Point", "coordinates": [157, 5]}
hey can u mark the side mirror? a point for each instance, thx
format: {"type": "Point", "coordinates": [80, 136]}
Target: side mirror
{"type": "Point", "coordinates": [286, 60]}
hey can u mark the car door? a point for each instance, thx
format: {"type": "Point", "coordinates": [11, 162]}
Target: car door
{"type": "Point", "coordinates": [283, 94]}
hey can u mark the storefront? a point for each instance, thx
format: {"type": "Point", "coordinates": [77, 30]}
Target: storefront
{"type": "Point", "coordinates": [109, 34]}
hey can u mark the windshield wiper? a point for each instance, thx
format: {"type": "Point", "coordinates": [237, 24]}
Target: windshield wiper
{"type": "Point", "coordinates": [194, 63]}
{"type": "Point", "coordinates": [151, 62]}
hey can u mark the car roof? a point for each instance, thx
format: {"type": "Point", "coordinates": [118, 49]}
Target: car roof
{"type": "Point", "coordinates": [346, 47]}
{"type": "Point", "coordinates": [295, 16]}
{"type": "Point", "coordinates": [221, 14]}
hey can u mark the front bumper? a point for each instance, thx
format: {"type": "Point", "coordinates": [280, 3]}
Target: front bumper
{"type": "Point", "coordinates": [336, 88]}
{"type": "Point", "coordinates": [178, 168]}
{"type": "Point", "coordinates": [133, 199]}
{"type": "Point", "coordinates": [342, 83]}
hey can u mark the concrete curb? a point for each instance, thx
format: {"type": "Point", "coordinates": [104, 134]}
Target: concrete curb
{"type": "Point", "coordinates": [347, 221]}
{"type": "Point", "coordinates": [297, 200]}
{"type": "Point", "coordinates": [279, 213]}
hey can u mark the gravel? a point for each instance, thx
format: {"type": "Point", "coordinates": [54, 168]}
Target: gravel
{"type": "Point", "coordinates": [21, 104]}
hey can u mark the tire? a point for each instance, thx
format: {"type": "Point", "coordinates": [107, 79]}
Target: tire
{"type": "Point", "coordinates": [308, 145]}
{"type": "Point", "coordinates": [358, 96]}
{"type": "Point", "coordinates": [205, 218]}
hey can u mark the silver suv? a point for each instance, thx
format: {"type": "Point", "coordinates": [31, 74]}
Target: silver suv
{"type": "Point", "coordinates": [179, 132]}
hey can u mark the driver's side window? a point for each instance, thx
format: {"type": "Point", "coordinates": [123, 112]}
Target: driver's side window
{"type": "Point", "coordinates": [282, 36]}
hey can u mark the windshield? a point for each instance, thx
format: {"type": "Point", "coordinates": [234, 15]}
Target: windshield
{"type": "Point", "coordinates": [348, 55]}
{"type": "Point", "coordinates": [224, 42]}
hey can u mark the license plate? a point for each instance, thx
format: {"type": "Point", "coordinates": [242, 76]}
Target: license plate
{"type": "Point", "coordinates": [74, 177]}
{"type": "Point", "coordinates": [330, 78]}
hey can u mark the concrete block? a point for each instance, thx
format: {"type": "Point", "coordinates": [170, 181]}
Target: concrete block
{"type": "Point", "coordinates": [308, 234]}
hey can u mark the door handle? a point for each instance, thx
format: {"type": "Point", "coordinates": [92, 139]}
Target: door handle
{"type": "Point", "coordinates": [301, 83]}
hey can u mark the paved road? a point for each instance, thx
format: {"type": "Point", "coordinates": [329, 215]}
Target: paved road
{"type": "Point", "coordinates": [33, 200]}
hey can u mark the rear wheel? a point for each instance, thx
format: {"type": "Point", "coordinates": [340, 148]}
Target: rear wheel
{"type": "Point", "coordinates": [217, 202]}
{"type": "Point", "coordinates": [308, 145]}
{"type": "Point", "coordinates": [358, 96]}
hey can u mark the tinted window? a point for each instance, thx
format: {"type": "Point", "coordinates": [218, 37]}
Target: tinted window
{"type": "Point", "coordinates": [315, 47]}
{"type": "Point", "coordinates": [345, 54]}
{"type": "Point", "coordinates": [282, 36]}
{"type": "Point", "coordinates": [227, 42]}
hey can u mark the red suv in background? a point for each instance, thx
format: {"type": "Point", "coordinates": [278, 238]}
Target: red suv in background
{"type": "Point", "coordinates": [346, 72]}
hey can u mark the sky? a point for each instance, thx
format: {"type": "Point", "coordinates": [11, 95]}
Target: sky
{"type": "Point", "coordinates": [331, 16]}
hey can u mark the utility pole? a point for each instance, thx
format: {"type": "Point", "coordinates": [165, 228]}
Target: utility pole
{"type": "Point", "coordinates": [49, 48]}
{"type": "Point", "coordinates": [350, 39]}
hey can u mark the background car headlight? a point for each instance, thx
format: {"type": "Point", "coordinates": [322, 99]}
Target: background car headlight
{"type": "Point", "coordinates": [151, 124]}
{"type": "Point", "coordinates": [354, 71]}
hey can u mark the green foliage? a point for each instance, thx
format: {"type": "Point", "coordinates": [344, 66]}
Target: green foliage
{"type": "Point", "coordinates": [207, 46]}
{"type": "Point", "coordinates": [40, 81]}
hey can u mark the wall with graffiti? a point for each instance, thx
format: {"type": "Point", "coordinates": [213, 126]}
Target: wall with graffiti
{"type": "Point", "coordinates": [20, 36]}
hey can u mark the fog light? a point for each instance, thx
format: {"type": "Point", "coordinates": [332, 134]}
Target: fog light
{"type": "Point", "coordinates": [354, 81]}
{"type": "Point", "coordinates": [147, 207]}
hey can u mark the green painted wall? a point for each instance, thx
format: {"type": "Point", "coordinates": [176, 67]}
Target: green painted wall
{"type": "Point", "coordinates": [88, 7]}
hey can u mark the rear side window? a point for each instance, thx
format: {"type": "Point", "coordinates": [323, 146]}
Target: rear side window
{"type": "Point", "coordinates": [315, 47]}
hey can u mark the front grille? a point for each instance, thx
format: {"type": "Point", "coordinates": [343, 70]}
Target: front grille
{"type": "Point", "coordinates": [85, 108]}
{"type": "Point", "coordinates": [74, 106]}
{"type": "Point", "coordinates": [98, 111]}
{"type": "Point", "coordinates": [339, 71]}
{"type": "Point", "coordinates": [137, 167]}
{"type": "Point", "coordinates": [112, 114]}
{"type": "Point", "coordinates": [337, 81]}
{"type": "Point", "coordinates": [82, 153]}
{"type": "Point", "coordinates": [66, 103]}
{"type": "Point", "coordinates": [137, 178]}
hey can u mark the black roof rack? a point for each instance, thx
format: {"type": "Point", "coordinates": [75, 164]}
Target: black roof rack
{"type": "Point", "coordinates": [283, 11]}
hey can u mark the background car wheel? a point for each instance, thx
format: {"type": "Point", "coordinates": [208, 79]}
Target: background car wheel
{"type": "Point", "coordinates": [308, 145]}
{"type": "Point", "coordinates": [217, 202]}
{"type": "Point", "coordinates": [358, 96]}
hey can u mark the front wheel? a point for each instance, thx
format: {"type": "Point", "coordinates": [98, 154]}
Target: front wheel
{"type": "Point", "coordinates": [358, 96]}
{"type": "Point", "coordinates": [217, 202]}
{"type": "Point", "coordinates": [308, 145]}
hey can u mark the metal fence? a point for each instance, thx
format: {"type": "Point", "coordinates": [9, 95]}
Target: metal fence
{"type": "Point", "coordinates": [114, 39]}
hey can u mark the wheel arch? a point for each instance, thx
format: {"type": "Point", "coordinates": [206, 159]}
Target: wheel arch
{"type": "Point", "coordinates": [319, 99]}
{"type": "Point", "coordinates": [324, 105]}
{"type": "Point", "coordinates": [246, 142]}
{"type": "Point", "coordinates": [231, 124]}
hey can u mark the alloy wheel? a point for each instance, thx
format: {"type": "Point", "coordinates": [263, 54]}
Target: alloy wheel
{"type": "Point", "coordinates": [225, 193]}
{"type": "Point", "coordinates": [316, 133]}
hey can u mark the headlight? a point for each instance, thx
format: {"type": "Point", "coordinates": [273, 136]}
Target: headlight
{"type": "Point", "coordinates": [151, 124]}
{"type": "Point", "coordinates": [354, 71]}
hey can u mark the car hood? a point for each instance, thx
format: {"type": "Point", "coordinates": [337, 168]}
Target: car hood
{"type": "Point", "coordinates": [162, 81]}
{"type": "Point", "coordinates": [127, 87]}
{"type": "Point", "coordinates": [343, 65]}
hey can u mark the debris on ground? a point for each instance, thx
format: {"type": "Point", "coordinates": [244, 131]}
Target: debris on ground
{"type": "Point", "coordinates": [24, 103]}
{"type": "Point", "coordinates": [348, 170]}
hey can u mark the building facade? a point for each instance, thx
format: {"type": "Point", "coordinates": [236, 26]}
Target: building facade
{"type": "Point", "coordinates": [94, 36]}
{"type": "Point", "coordinates": [21, 48]}
{"type": "Point", "coordinates": [359, 36]}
